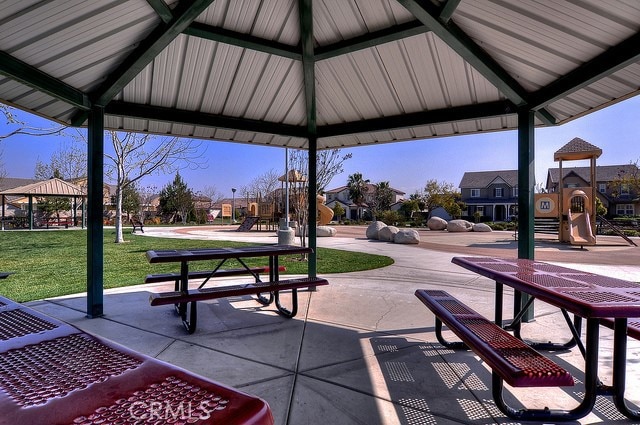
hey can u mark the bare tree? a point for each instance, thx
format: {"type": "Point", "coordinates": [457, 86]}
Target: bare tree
{"type": "Point", "coordinates": [15, 125]}
{"type": "Point", "coordinates": [69, 161]}
{"type": "Point", "coordinates": [3, 171]}
{"type": "Point", "coordinates": [147, 194]}
{"type": "Point", "coordinates": [136, 156]}
{"type": "Point", "coordinates": [329, 164]}
{"type": "Point", "coordinates": [213, 194]}
{"type": "Point", "coordinates": [265, 184]}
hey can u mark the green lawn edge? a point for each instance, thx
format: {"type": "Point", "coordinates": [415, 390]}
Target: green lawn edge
{"type": "Point", "coordinates": [49, 264]}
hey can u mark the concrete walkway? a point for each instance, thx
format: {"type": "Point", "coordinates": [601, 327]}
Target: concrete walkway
{"type": "Point", "coordinates": [360, 351]}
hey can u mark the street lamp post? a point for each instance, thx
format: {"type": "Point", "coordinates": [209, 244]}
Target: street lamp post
{"type": "Point", "coordinates": [233, 204]}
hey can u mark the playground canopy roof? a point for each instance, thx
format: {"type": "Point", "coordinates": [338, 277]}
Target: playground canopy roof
{"type": "Point", "coordinates": [350, 72]}
{"type": "Point", "coordinates": [51, 187]}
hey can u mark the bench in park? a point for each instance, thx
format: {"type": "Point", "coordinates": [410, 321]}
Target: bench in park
{"type": "Point", "coordinates": [181, 299]}
{"type": "Point", "coordinates": [136, 222]}
{"type": "Point", "coordinates": [510, 358]}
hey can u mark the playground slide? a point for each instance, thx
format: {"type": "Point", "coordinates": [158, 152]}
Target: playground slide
{"type": "Point", "coordinates": [325, 214]}
{"type": "Point", "coordinates": [580, 229]}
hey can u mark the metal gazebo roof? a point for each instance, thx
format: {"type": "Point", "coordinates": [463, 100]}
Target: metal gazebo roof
{"type": "Point", "coordinates": [315, 74]}
{"type": "Point", "coordinates": [352, 72]}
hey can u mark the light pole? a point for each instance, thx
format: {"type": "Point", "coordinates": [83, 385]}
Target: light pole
{"type": "Point", "coordinates": [233, 204]}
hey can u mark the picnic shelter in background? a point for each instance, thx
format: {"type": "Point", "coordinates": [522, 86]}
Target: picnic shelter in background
{"type": "Point", "coordinates": [315, 74]}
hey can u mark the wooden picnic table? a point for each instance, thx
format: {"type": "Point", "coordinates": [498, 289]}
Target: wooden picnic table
{"type": "Point", "coordinates": [586, 295]}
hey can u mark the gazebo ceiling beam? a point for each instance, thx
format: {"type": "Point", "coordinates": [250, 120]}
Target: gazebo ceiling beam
{"type": "Point", "coordinates": [446, 12]}
{"type": "Point", "coordinates": [607, 63]}
{"type": "Point", "coordinates": [464, 46]}
{"type": "Point", "coordinates": [365, 41]}
{"type": "Point", "coordinates": [148, 49]}
{"type": "Point", "coordinates": [436, 116]}
{"type": "Point", "coordinates": [41, 81]}
{"type": "Point", "coordinates": [246, 41]}
{"type": "Point", "coordinates": [162, 9]}
{"type": "Point", "coordinates": [473, 54]}
{"type": "Point", "coordinates": [155, 113]}
{"type": "Point", "coordinates": [308, 63]}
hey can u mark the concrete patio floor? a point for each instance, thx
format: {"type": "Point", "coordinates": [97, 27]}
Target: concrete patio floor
{"type": "Point", "coordinates": [361, 350]}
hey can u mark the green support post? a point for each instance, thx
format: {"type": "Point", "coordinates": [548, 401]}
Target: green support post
{"type": "Point", "coordinates": [313, 208]}
{"type": "Point", "coordinates": [526, 184]}
{"type": "Point", "coordinates": [95, 248]}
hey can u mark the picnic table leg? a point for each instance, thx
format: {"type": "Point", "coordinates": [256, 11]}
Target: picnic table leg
{"type": "Point", "coordinates": [619, 368]}
{"type": "Point", "coordinates": [455, 345]}
{"type": "Point", "coordinates": [273, 277]}
{"type": "Point", "coordinates": [590, 384]}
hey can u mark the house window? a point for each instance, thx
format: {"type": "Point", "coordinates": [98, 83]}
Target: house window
{"type": "Point", "coordinates": [515, 192]}
{"type": "Point", "coordinates": [475, 193]}
{"type": "Point", "coordinates": [498, 192]}
{"type": "Point", "coordinates": [602, 187]}
{"type": "Point", "coordinates": [624, 189]}
{"type": "Point", "coordinates": [625, 209]}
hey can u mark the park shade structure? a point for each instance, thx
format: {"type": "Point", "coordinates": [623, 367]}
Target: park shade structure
{"type": "Point", "coordinates": [315, 74]}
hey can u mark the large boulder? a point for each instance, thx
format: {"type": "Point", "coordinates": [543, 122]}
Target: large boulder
{"type": "Point", "coordinates": [437, 223]}
{"type": "Point", "coordinates": [482, 227]}
{"type": "Point", "coordinates": [325, 231]}
{"type": "Point", "coordinates": [459, 226]}
{"type": "Point", "coordinates": [374, 228]}
{"type": "Point", "coordinates": [387, 233]}
{"type": "Point", "coordinates": [407, 236]}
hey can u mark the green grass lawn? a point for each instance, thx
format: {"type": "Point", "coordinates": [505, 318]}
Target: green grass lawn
{"type": "Point", "coordinates": [53, 263]}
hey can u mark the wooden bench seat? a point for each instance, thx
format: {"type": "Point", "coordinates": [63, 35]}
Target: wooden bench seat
{"type": "Point", "coordinates": [633, 326]}
{"type": "Point", "coordinates": [514, 361]}
{"type": "Point", "coordinates": [255, 288]}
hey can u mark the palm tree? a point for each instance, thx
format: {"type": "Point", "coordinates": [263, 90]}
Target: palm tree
{"type": "Point", "coordinates": [357, 189]}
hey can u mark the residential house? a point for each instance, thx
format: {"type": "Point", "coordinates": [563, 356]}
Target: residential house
{"type": "Point", "coordinates": [341, 195]}
{"type": "Point", "coordinates": [492, 194]}
{"type": "Point", "coordinates": [618, 197]}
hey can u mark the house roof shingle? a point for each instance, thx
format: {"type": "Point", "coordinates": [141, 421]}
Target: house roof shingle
{"type": "Point", "coordinates": [480, 179]}
{"type": "Point", "coordinates": [604, 173]}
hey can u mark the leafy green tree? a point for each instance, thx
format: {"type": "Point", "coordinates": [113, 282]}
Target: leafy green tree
{"type": "Point", "coordinates": [338, 211]}
{"type": "Point", "coordinates": [442, 194]}
{"type": "Point", "coordinates": [131, 200]}
{"type": "Point", "coordinates": [358, 188]}
{"type": "Point", "coordinates": [382, 199]}
{"type": "Point", "coordinates": [53, 205]}
{"type": "Point", "coordinates": [176, 199]}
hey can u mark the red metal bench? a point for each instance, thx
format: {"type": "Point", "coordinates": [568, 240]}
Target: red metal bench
{"type": "Point", "coordinates": [254, 288]}
{"type": "Point", "coordinates": [514, 361]}
{"type": "Point", "coordinates": [633, 327]}
{"type": "Point", "coordinates": [208, 274]}
{"type": "Point", "coordinates": [52, 372]}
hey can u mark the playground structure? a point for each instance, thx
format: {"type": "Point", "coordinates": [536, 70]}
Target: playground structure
{"type": "Point", "coordinates": [268, 214]}
{"type": "Point", "coordinates": [573, 205]}
{"type": "Point", "coordinates": [325, 214]}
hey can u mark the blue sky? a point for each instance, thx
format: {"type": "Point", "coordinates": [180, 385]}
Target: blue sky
{"type": "Point", "coordinates": [406, 165]}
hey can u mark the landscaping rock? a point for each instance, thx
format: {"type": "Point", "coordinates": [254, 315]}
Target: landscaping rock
{"type": "Point", "coordinates": [437, 223]}
{"type": "Point", "coordinates": [325, 231]}
{"type": "Point", "coordinates": [482, 227]}
{"type": "Point", "coordinates": [459, 226]}
{"type": "Point", "coordinates": [374, 228]}
{"type": "Point", "coordinates": [387, 233]}
{"type": "Point", "coordinates": [407, 236]}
